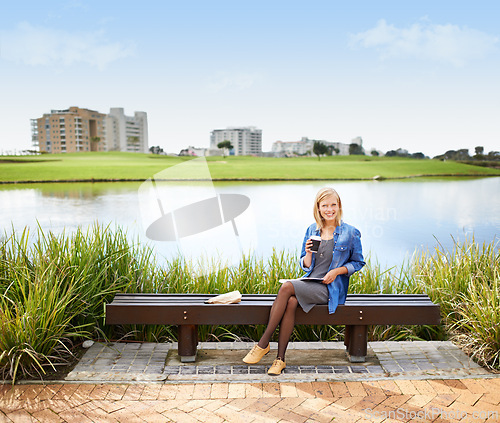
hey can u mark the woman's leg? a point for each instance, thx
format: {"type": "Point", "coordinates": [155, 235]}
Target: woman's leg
{"type": "Point", "coordinates": [286, 326]}
{"type": "Point", "coordinates": [277, 312]}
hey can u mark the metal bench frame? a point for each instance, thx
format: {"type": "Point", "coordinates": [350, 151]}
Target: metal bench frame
{"type": "Point", "coordinates": [187, 311]}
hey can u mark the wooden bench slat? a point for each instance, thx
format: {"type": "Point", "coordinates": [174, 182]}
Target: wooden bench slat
{"type": "Point", "coordinates": [173, 296]}
{"type": "Point", "coordinates": [270, 300]}
{"type": "Point", "coordinates": [258, 313]}
{"type": "Point", "coordinates": [248, 297]}
{"type": "Point", "coordinates": [265, 303]}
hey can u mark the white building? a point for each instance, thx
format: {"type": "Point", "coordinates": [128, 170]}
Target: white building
{"type": "Point", "coordinates": [247, 141]}
{"type": "Point", "coordinates": [292, 148]}
{"type": "Point", "coordinates": [194, 151]}
{"type": "Point", "coordinates": [126, 133]}
{"type": "Point", "coordinates": [305, 146]}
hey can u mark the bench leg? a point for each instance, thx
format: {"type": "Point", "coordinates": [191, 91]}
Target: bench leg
{"type": "Point", "coordinates": [357, 343]}
{"type": "Point", "coordinates": [187, 342]}
{"type": "Point", "coordinates": [347, 336]}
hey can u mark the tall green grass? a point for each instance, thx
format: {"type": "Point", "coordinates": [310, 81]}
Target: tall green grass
{"type": "Point", "coordinates": [53, 289]}
{"type": "Point", "coordinates": [466, 282]}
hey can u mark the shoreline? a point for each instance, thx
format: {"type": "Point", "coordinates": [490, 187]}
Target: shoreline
{"type": "Point", "coordinates": [374, 178]}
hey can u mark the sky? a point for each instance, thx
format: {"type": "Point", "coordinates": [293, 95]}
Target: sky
{"type": "Point", "coordinates": [420, 75]}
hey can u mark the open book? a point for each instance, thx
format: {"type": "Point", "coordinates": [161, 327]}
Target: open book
{"type": "Point", "coordinates": [317, 280]}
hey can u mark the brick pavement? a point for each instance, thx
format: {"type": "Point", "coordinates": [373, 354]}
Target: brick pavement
{"type": "Point", "coordinates": [437, 400]}
{"type": "Point", "coordinates": [401, 381]}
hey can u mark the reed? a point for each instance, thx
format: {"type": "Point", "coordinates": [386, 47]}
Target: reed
{"type": "Point", "coordinates": [53, 289]}
{"type": "Point", "coordinates": [465, 281]}
{"type": "Point", "coordinates": [477, 330]}
{"type": "Point", "coordinates": [36, 315]}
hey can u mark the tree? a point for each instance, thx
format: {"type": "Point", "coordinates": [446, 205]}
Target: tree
{"type": "Point", "coordinates": [332, 149]}
{"type": "Point", "coordinates": [391, 153]}
{"type": "Point", "coordinates": [156, 149]}
{"type": "Point", "coordinates": [401, 152]}
{"type": "Point", "coordinates": [493, 155]}
{"type": "Point", "coordinates": [462, 154]}
{"type": "Point", "coordinates": [356, 149]}
{"type": "Point", "coordinates": [94, 141]}
{"type": "Point", "coordinates": [375, 153]}
{"type": "Point", "coordinates": [479, 153]}
{"type": "Point", "coordinates": [319, 148]}
{"type": "Point", "coordinates": [418, 155]}
{"type": "Point", "coordinates": [225, 145]}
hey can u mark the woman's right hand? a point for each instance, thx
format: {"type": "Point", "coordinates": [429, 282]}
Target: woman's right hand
{"type": "Point", "coordinates": [308, 257]}
{"type": "Point", "coordinates": [309, 245]}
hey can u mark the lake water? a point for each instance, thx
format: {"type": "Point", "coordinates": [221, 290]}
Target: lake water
{"type": "Point", "coordinates": [395, 217]}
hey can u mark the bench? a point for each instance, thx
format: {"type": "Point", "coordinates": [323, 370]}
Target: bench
{"type": "Point", "coordinates": [187, 311]}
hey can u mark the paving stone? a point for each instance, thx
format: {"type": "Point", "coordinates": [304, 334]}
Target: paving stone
{"type": "Point", "coordinates": [240, 370]}
{"type": "Point", "coordinates": [188, 370]}
{"type": "Point", "coordinates": [171, 370]}
{"type": "Point", "coordinates": [426, 366]}
{"type": "Point", "coordinates": [236, 390]}
{"type": "Point", "coordinates": [359, 369]}
{"type": "Point", "coordinates": [307, 369]}
{"type": "Point", "coordinates": [206, 370]}
{"type": "Point", "coordinates": [222, 370]}
{"type": "Point", "coordinates": [375, 369]}
{"type": "Point", "coordinates": [341, 369]}
{"type": "Point", "coordinates": [292, 370]}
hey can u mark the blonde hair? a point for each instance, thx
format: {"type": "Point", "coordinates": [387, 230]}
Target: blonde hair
{"type": "Point", "coordinates": [320, 196]}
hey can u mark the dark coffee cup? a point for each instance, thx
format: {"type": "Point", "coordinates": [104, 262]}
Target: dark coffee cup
{"type": "Point", "coordinates": [316, 241]}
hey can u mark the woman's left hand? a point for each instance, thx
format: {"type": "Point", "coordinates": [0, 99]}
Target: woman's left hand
{"type": "Point", "coordinates": [330, 276]}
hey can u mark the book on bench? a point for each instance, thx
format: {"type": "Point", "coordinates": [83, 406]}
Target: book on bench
{"type": "Point", "coordinates": [317, 280]}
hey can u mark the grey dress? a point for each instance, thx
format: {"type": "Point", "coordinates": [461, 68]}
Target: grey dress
{"type": "Point", "coordinates": [311, 293]}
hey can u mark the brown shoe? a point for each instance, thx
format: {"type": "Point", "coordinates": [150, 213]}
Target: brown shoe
{"type": "Point", "coordinates": [255, 354]}
{"type": "Point", "coordinates": [277, 367]}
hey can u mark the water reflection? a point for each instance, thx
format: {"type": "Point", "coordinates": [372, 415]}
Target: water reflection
{"type": "Point", "coordinates": [395, 217]}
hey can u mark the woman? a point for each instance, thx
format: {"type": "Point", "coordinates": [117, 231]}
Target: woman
{"type": "Point", "coordinates": [338, 257]}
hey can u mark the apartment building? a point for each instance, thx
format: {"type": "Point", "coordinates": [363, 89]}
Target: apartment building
{"type": "Point", "coordinates": [75, 130]}
{"type": "Point", "coordinates": [127, 133]}
{"type": "Point", "coordinates": [247, 141]}
{"type": "Point", "coordinates": [293, 148]}
{"type": "Point", "coordinates": [305, 146]}
{"type": "Point", "coordinates": [69, 131]}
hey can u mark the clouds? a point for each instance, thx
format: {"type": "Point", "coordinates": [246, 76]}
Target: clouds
{"type": "Point", "coordinates": [222, 81]}
{"type": "Point", "coordinates": [426, 41]}
{"type": "Point", "coordinates": [35, 45]}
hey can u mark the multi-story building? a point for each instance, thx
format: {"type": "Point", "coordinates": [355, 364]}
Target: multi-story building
{"type": "Point", "coordinates": [126, 133]}
{"type": "Point", "coordinates": [305, 146]}
{"type": "Point", "coordinates": [75, 130]}
{"type": "Point", "coordinates": [69, 131]}
{"type": "Point", "coordinates": [194, 151]}
{"type": "Point", "coordinates": [298, 148]}
{"type": "Point", "coordinates": [246, 141]}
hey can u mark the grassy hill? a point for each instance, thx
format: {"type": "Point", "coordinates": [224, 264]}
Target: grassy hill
{"type": "Point", "coordinates": [132, 166]}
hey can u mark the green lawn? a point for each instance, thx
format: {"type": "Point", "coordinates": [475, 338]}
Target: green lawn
{"type": "Point", "coordinates": [131, 166]}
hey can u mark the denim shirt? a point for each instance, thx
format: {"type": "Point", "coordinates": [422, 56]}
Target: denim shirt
{"type": "Point", "coordinates": [347, 252]}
